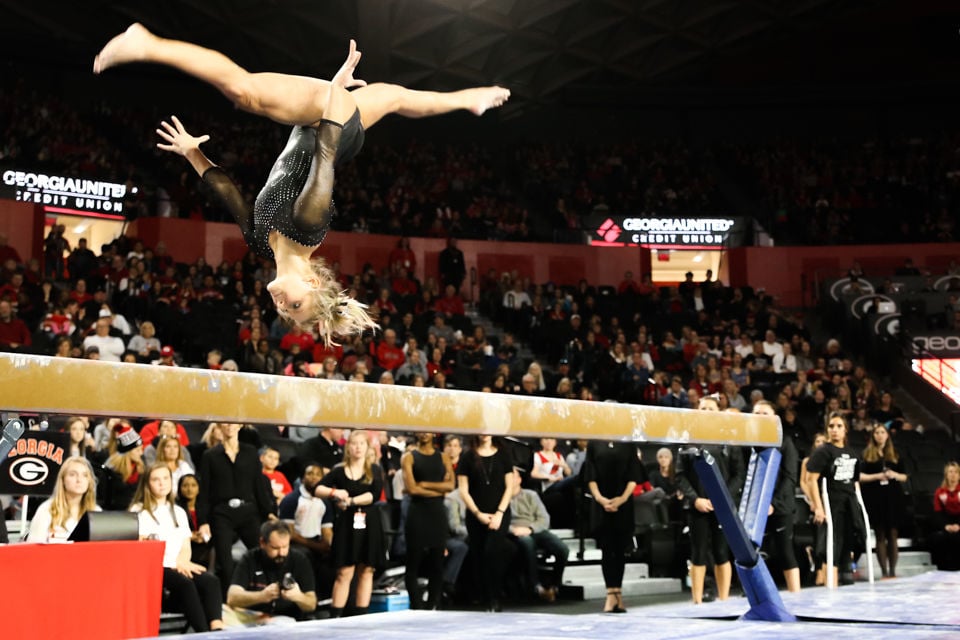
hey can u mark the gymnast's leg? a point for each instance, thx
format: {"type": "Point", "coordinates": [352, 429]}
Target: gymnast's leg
{"type": "Point", "coordinates": [296, 100]}
{"type": "Point", "coordinates": [287, 99]}
{"type": "Point", "coordinates": [312, 207]}
{"type": "Point", "coordinates": [381, 99]}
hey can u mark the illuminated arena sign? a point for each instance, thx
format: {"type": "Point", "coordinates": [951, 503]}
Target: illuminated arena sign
{"type": "Point", "coordinates": [64, 194]}
{"type": "Point", "coordinates": [665, 233]}
{"type": "Point", "coordinates": [943, 374]}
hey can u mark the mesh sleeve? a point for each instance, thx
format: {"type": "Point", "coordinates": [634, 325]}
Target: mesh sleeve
{"type": "Point", "coordinates": [228, 194]}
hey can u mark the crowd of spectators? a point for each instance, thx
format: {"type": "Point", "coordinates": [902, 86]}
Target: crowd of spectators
{"type": "Point", "coordinates": [833, 191]}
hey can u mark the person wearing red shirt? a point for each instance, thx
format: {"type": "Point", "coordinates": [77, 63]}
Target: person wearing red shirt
{"type": "Point", "coordinates": [80, 293]}
{"type": "Point", "coordinates": [14, 335]}
{"type": "Point", "coordinates": [691, 347]}
{"type": "Point", "coordinates": [945, 537]}
{"type": "Point", "coordinates": [646, 286]}
{"type": "Point", "coordinates": [117, 271]}
{"type": "Point", "coordinates": [403, 284]}
{"type": "Point", "coordinates": [279, 485]}
{"type": "Point", "coordinates": [7, 252]}
{"type": "Point", "coordinates": [437, 365]}
{"type": "Point", "coordinates": [58, 323]}
{"type": "Point", "coordinates": [451, 304]}
{"type": "Point", "coordinates": [322, 351]}
{"type": "Point", "coordinates": [628, 284]}
{"type": "Point", "coordinates": [12, 290]}
{"type": "Point", "coordinates": [402, 259]}
{"type": "Point", "coordinates": [151, 430]}
{"type": "Point", "coordinates": [389, 354]}
{"type": "Point", "coordinates": [161, 260]}
{"type": "Point", "coordinates": [167, 285]}
{"type": "Point", "coordinates": [209, 290]}
{"type": "Point", "coordinates": [383, 304]}
{"type": "Point", "coordinates": [297, 335]}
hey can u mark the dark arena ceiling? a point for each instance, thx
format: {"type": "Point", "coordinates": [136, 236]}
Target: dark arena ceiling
{"type": "Point", "coordinates": [545, 51]}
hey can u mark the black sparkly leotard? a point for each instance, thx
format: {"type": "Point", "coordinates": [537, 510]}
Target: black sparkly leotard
{"type": "Point", "coordinates": [307, 150]}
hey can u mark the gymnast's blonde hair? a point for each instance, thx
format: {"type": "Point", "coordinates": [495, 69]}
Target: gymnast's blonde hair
{"type": "Point", "coordinates": [333, 312]}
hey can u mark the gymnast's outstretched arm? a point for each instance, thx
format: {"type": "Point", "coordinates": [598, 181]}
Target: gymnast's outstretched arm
{"type": "Point", "coordinates": [179, 141]}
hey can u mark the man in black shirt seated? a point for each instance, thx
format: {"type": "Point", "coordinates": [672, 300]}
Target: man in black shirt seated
{"type": "Point", "coordinates": [273, 580]}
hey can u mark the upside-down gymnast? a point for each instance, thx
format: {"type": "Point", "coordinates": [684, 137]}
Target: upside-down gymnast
{"type": "Point", "coordinates": [293, 211]}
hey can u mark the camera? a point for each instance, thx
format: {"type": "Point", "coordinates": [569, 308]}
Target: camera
{"type": "Point", "coordinates": [287, 582]}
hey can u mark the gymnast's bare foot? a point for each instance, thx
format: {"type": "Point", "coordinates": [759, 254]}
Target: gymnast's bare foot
{"type": "Point", "coordinates": [129, 46]}
{"type": "Point", "coordinates": [484, 98]}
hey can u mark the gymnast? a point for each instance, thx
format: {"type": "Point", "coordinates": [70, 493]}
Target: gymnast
{"type": "Point", "coordinates": [293, 211]}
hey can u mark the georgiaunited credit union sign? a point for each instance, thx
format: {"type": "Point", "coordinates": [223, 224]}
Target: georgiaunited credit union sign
{"type": "Point", "coordinates": [666, 232]}
{"type": "Point", "coordinates": [56, 192]}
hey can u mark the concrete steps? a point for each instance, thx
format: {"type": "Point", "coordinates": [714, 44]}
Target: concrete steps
{"type": "Point", "coordinates": [523, 351]}
{"type": "Point", "coordinates": [910, 563]}
{"type": "Point", "coordinates": [586, 581]}
{"type": "Point", "coordinates": [590, 551]}
{"type": "Point", "coordinates": [583, 578]}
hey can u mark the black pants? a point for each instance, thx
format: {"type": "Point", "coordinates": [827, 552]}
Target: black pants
{"type": "Point", "coordinates": [946, 550]}
{"type": "Point", "coordinates": [841, 510]}
{"type": "Point", "coordinates": [433, 559]}
{"type": "Point", "coordinates": [490, 550]}
{"type": "Point", "coordinates": [779, 540]}
{"type": "Point", "coordinates": [613, 544]}
{"type": "Point", "coordinates": [323, 571]}
{"type": "Point", "coordinates": [706, 540]}
{"type": "Point", "coordinates": [198, 599]}
{"type": "Point", "coordinates": [225, 525]}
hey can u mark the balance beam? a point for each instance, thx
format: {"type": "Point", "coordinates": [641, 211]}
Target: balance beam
{"type": "Point", "coordinates": [68, 386]}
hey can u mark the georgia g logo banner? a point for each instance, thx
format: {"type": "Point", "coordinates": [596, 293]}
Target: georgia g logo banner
{"type": "Point", "coordinates": [32, 466]}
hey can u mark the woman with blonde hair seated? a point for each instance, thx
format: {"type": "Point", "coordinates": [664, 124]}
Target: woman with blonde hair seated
{"type": "Point", "coordinates": [145, 344]}
{"type": "Point", "coordinates": [73, 496]}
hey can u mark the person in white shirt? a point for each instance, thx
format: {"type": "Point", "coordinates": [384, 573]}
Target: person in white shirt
{"type": "Point", "coordinates": [516, 304]}
{"type": "Point", "coordinates": [785, 361]}
{"type": "Point", "coordinates": [194, 591]}
{"type": "Point", "coordinates": [770, 345]}
{"type": "Point", "coordinates": [117, 321]}
{"type": "Point", "coordinates": [312, 520]}
{"type": "Point", "coordinates": [549, 466]}
{"type": "Point", "coordinates": [745, 348]}
{"type": "Point", "coordinates": [111, 348]}
{"type": "Point", "coordinates": [74, 495]}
